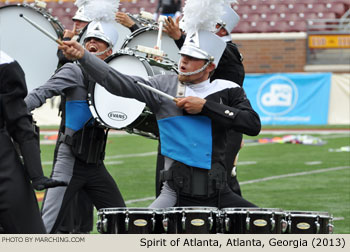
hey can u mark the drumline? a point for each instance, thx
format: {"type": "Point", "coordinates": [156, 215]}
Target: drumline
{"type": "Point", "coordinates": [134, 117]}
{"type": "Point", "coordinates": [211, 220]}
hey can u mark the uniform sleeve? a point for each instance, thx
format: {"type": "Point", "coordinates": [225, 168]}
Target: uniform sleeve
{"type": "Point", "coordinates": [121, 84]}
{"type": "Point", "coordinates": [68, 76]}
{"type": "Point", "coordinates": [13, 90]}
{"type": "Point", "coordinates": [237, 114]}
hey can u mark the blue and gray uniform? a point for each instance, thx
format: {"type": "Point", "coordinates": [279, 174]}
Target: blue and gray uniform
{"type": "Point", "coordinates": [196, 142]}
{"type": "Point", "coordinates": [94, 178]}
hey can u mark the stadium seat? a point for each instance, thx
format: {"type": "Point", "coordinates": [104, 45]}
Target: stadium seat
{"type": "Point", "coordinates": [337, 8]}
{"type": "Point", "coordinates": [297, 26]}
{"type": "Point", "coordinates": [270, 17]}
{"type": "Point", "coordinates": [315, 8]}
{"type": "Point", "coordinates": [242, 27]}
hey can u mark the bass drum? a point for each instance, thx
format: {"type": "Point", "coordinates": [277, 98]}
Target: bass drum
{"type": "Point", "coordinates": [35, 52]}
{"type": "Point", "coordinates": [147, 36]}
{"type": "Point", "coordinates": [118, 112]}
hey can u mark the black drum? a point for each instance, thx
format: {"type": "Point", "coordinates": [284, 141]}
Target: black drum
{"type": "Point", "coordinates": [253, 221]}
{"type": "Point", "coordinates": [129, 221]}
{"type": "Point", "coordinates": [300, 222]}
{"type": "Point", "coordinates": [190, 220]}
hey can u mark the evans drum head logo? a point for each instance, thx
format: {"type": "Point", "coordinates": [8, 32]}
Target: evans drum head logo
{"type": "Point", "coordinates": [117, 116]}
{"type": "Point", "coordinates": [277, 96]}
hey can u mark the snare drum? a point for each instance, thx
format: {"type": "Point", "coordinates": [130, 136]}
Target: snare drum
{"type": "Point", "coordinates": [35, 52]}
{"type": "Point", "coordinates": [300, 222]}
{"type": "Point", "coordinates": [118, 112]}
{"type": "Point", "coordinates": [190, 220]}
{"type": "Point", "coordinates": [147, 36]}
{"type": "Point", "coordinates": [129, 221]}
{"type": "Point", "coordinates": [253, 221]}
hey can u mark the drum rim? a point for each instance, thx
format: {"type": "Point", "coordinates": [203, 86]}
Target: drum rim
{"type": "Point", "coordinates": [253, 210]}
{"type": "Point", "coordinates": [308, 214]}
{"type": "Point", "coordinates": [136, 33]}
{"type": "Point", "coordinates": [141, 210]}
{"type": "Point", "coordinates": [44, 12]}
{"type": "Point", "coordinates": [191, 209]}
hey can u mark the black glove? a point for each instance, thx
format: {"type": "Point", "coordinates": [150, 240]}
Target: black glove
{"type": "Point", "coordinates": [43, 182]}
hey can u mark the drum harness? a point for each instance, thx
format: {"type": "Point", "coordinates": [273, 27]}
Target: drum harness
{"type": "Point", "coordinates": [192, 181]}
{"type": "Point", "coordinates": [89, 143]}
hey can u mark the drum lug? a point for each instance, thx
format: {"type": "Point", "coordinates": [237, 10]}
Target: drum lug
{"type": "Point", "coordinates": [317, 225]}
{"type": "Point", "coordinates": [127, 222]}
{"type": "Point", "coordinates": [104, 225]}
{"type": "Point", "coordinates": [99, 226]}
{"type": "Point", "coordinates": [289, 225]}
{"type": "Point", "coordinates": [227, 224]}
{"type": "Point", "coordinates": [247, 222]}
{"type": "Point", "coordinates": [211, 222]}
{"type": "Point", "coordinates": [183, 221]}
{"type": "Point", "coordinates": [284, 225]}
{"type": "Point", "coordinates": [273, 222]}
{"type": "Point", "coordinates": [153, 221]}
{"type": "Point", "coordinates": [165, 224]}
{"type": "Point", "coordinates": [330, 226]}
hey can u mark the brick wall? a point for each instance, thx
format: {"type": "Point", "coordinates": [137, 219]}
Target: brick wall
{"type": "Point", "coordinates": [269, 55]}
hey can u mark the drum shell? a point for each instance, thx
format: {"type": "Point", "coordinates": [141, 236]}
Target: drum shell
{"type": "Point", "coordinates": [139, 119]}
{"type": "Point", "coordinates": [197, 220]}
{"type": "Point", "coordinates": [129, 221]}
{"type": "Point", "coordinates": [147, 36]}
{"type": "Point", "coordinates": [253, 221]}
{"type": "Point", "coordinates": [309, 222]}
{"type": "Point", "coordinates": [35, 52]}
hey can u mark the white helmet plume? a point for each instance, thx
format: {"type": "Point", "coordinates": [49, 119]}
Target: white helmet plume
{"type": "Point", "coordinates": [102, 10]}
{"type": "Point", "coordinates": [202, 15]}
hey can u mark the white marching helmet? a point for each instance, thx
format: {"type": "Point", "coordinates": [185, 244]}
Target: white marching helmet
{"type": "Point", "coordinates": [204, 45]}
{"type": "Point", "coordinates": [80, 15]}
{"type": "Point", "coordinates": [230, 19]}
{"type": "Point", "coordinates": [105, 31]}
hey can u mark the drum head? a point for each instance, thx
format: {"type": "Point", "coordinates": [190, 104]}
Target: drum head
{"type": "Point", "coordinates": [34, 51]}
{"type": "Point", "coordinates": [148, 37]}
{"type": "Point", "coordinates": [123, 33]}
{"type": "Point", "coordinates": [115, 111]}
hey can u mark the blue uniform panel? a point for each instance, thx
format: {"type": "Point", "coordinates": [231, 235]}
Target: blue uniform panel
{"type": "Point", "coordinates": [187, 139]}
{"type": "Point", "coordinates": [77, 113]}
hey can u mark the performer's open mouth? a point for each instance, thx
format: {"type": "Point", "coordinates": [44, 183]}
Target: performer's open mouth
{"type": "Point", "coordinates": [92, 48]}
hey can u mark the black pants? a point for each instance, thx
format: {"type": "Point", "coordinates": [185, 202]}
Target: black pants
{"type": "Point", "coordinates": [225, 199]}
{"type": "Point", "coordinates": [19, 210]}
{"type": "Point", "coordinates": [97, 183]}
{"type": "Point", "coordinates": [79, 216]}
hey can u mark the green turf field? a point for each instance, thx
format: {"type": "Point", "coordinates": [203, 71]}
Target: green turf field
{"type": "Point", "coordinates": [273, 175]}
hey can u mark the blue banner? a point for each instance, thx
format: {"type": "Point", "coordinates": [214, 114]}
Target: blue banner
{"type": "Point", "coordinates": [282, 99]}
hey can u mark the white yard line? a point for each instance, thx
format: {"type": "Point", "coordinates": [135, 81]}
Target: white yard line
{"type": "Point", "coordinates": [264, 179]}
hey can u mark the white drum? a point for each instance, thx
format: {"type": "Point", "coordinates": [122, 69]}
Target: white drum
{"type": "Point", "coordinates": [35, 52]}
{"type": "Point", "coordinates": [118, 112]}
{"type": "Point", "coordinates": [147, 36]}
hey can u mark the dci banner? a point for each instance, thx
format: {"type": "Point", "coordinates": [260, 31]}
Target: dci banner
{"type": "Point", "coordinates": [282, 99]}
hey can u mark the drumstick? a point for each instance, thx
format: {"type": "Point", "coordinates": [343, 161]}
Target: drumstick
{"type": "Point", "coordinates": [41, 29]}
{"type": "Point", "coordinates": [154, 90]}
{"type": "Point", "coordinates": [160, 31]}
